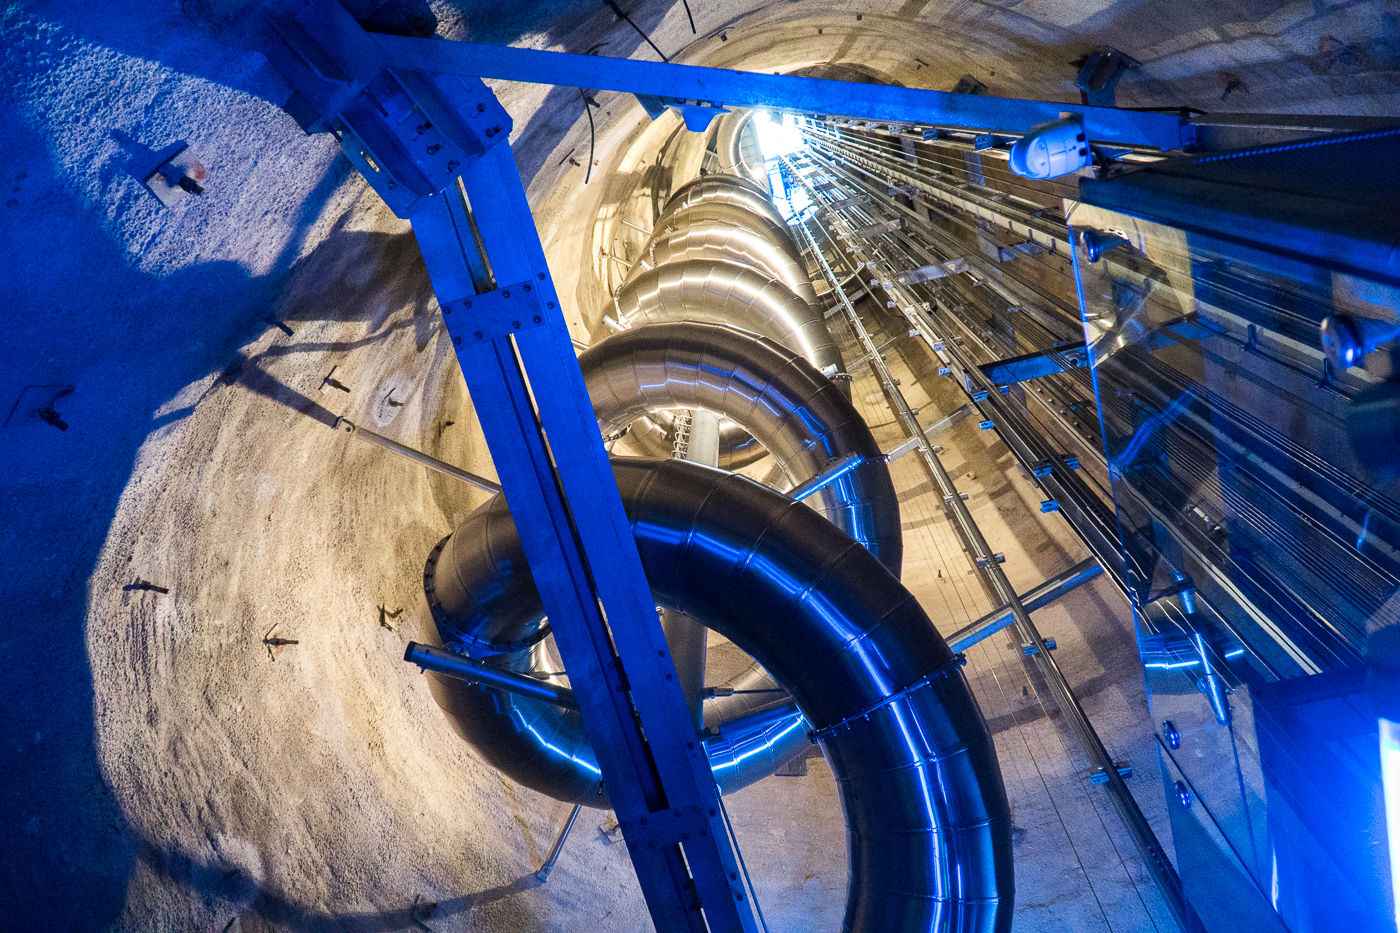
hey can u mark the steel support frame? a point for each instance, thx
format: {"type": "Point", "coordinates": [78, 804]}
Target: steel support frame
{"type": "Point", "coordinates": [1038, 598]}
{"type": "Point", "coordinates": [564, 500]}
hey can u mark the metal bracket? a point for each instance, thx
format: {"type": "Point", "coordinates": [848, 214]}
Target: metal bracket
{"type": "Point", "coordinates": [1098, 76]}
{"type": "Point", "coordinates": [175, 175]}
{"type": "Point", "coordinates": [501, 313]}
{"type": "Point", "coordinates": [410, 133]}
{"type": "Point", "coordinates": [697, 114]}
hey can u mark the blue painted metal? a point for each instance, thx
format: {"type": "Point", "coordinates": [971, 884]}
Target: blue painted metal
{"type": "Point", "coordinates": [1035, 365]}
{"type": "Point", "coordinates": [697, 117]}
{"type": "Point", "coordinates": [565, 504]}
{"type": "Point", "coordinates": [995, 115]}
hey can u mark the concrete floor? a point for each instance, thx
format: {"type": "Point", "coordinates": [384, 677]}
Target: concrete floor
{"type": "Point", "coordinates": [160, 770]}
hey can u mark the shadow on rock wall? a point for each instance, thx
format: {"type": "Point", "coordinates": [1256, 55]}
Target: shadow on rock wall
{"type": "Point", "coordinates": [122, 345]}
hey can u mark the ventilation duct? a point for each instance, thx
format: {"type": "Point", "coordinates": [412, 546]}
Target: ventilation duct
{"type": "Point", "coordinates": [928, 826]}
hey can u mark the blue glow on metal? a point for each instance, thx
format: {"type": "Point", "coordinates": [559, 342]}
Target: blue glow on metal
{"type": "Point", "coordinates": [1178, 665]}
{"type": "Point", "coordinates": [1390, 781]}
{"type": "Point", "coordinates": [582, 762]}
{"type": "Point", "coordinates": [760, 748]}
{"type": "Point", "coordinates": [1145, 430]}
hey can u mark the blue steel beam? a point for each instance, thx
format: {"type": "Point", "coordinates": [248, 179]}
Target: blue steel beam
{"type": "Point", "coordinates": [566, 507]}
{"type": "Point", "coordinates": [1003, 116]}
{"type": "Point", "coordinates": [488, 269]}
{"type": "Point", "coordinates": [1035, 365]}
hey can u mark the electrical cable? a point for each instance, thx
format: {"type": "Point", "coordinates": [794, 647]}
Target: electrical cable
{"type": "Point", "coordinates": [612, 4]}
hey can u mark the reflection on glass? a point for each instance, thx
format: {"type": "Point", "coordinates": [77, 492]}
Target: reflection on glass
{"type": "Point", "coordinates": [1257, 547]}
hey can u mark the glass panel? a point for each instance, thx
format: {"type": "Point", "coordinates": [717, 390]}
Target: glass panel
{"type": "Point", "coordinates": [1258, 549]}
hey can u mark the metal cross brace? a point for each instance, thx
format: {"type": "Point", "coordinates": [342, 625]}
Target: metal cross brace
{"type": "Point", "coordinates": [723, 87]}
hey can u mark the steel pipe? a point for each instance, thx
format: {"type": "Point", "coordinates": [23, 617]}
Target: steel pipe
{"type": "Point", "coordinates": [928, 825]}
{"type": "Point", "coordinates": [346, 426]}
{"type": "Point", "coordinates": [1038, 598]}
{"type": "Point", "coordinates": [469, 670]}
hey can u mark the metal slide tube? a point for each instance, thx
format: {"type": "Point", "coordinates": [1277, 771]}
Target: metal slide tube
{"type": "Point", "coordinates": [928, 825]}
{"type": "Point", "coordinates": [713, 239]}
{"type": "Point", "coordinates": [722, 293]}
{"type": "Point", "coordinates": [743, 229]}
{"type": "Point", "coordinates": [730, 213]}
{"type": "Point", "coordinates": [798, 415]}
{"type": "Point", "coordinates": [484, 602]}
{"type": "Point", "coordinates": [729, 140]}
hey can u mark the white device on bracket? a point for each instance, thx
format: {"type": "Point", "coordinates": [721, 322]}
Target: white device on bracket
{"type": "Point", "coordinates": [1049, 150]}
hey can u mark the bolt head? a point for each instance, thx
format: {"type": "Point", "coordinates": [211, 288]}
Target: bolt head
{"type": "Point", "coordinates": [457, 341]}
{"type": "Point", "coordinates": [478, 335]}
